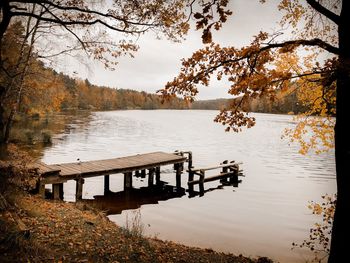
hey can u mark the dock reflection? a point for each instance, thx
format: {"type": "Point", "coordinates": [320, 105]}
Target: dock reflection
{"type": "Point", "coordinates": [133, 198]}
{"type": "Point", "coordinates": [202, 190]}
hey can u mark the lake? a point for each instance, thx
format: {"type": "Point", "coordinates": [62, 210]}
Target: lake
{"type": "Point", "coordinates": [262, 216]}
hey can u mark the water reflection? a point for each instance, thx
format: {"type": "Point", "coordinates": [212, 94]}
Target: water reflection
{"type": "Point", "coordinates": [36, 134]}
{"type": "Point", "coordinates": [202, 191]}
{"type": "Point", "coordinates": [133, 198]}
{"type": "Point", "coordinates": [116, 202]}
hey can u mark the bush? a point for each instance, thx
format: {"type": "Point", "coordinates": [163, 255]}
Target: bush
{"type": "Point", "coordinates": [46, 137]}
{"type": "Point", "coordinates": [320, 234]}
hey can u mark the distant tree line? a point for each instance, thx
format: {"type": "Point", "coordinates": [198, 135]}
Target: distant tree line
{"type": "Point", "coordinates": [287, 102]}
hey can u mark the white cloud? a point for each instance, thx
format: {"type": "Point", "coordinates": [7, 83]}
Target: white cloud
{"type": "Point", "coordinates": [159, 61]}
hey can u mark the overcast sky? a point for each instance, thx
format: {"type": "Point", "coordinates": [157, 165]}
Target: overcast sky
{"type": "Point", "coordinates": [159, 61]}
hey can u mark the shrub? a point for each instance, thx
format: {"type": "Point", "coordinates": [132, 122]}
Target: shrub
{"type": "Point", "coordinates": [320, 234]}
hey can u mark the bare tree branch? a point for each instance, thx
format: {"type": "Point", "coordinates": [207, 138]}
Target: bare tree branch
{"type": "Point", "coordinates": [324, 11]}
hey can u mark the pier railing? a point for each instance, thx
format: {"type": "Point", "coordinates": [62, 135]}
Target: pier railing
{"type": "Point", "coordinates": [228, 175]}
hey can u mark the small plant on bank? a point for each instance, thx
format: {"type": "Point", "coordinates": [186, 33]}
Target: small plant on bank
{"type": "Point", "coordinates": [136, 246]}
{"type": "Point", "coordinates": [46, 137]}
{"type": "Point", "coordinates": [319, 237]}
{"type": "Point", "coordinates": [134, 226]}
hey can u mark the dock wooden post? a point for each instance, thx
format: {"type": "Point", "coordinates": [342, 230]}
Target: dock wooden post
{"type": "Point", "coordinates": [106, 184]}
{"type": "Point", "coordinates": [234, 177]}
{"type": "Point", "coordinates": [128, 180]}
{"type": "Point", "coordinates": [143, 173]}
{"type": "Point", "coordinates": [178, 169]}
{"type": "Point", "coordinates": [151, 176]}
{"type": "Point", "coordinates": [157, 175]}
{"type": "Point", "coordinates": [190, 179]}
{"type": "Point", "coordinates": [224, 170]}
{"type": "Point", "coordinates": [201, 182]}
{"type": "Point", "coordinates": [79, 188]}
{"type": "Point", "coordinates": [189, 161]}
{"type": "Point", "coordinates": [60, 190]}
{"type": "Point", "coordinates": [42, 190]}
{"type": "Point", "coordinates": [56, 191]}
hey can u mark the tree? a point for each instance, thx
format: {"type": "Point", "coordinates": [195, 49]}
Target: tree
{"type": "Point", "coordinates": [102, 31]}
{"type": "Point", "coordinates": [253, 72]}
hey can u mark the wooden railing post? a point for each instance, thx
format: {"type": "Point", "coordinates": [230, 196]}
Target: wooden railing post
{"type": "Point", "coordinates": [234, 177]}
{"type": "Point", "coordinates": [201, 182]}
{"type": "Point", "coordinates": [224, 170]}
{"type": "Point", "coordinates": [190, 160]}
{"type": "Point", "coordinates": [190, 179]}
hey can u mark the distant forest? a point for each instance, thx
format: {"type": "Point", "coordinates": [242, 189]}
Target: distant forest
{"type": "Point", "coordinates": [60, 92]}
{"type": "Point", "coordinates": [286, 103]}
{"type": "Point", "coordinates": [55, 92]}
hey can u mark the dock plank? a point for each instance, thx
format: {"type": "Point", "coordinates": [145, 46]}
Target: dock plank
{"type": "Point", "coordinates": [115, 165]}
{"type": "Point", "coordinates": [44, 169]}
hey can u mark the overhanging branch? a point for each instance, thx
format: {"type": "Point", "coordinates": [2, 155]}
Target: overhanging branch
{"type": "Point", "coordinates": [316, 42]}
{"type": "Point", "coordinates": [324, 11]}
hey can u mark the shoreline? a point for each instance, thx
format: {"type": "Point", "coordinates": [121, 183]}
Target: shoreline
{"type": "Point", "coordinates": [37, 230]}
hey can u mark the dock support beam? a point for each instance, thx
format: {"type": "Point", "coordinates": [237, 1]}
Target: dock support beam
{"type": "Point", "coordinates": [57, 191]}
{"type": "Point", "coordinates": [151, 176]}
{"type": "Point", "coordinates": [106, 184]}
{"type": "Point", "coordinates": [143, 173]}
{"type": "Point", "coordinates": [158, 175]}
{"type": "Point", "coordinates": [190, 160]}
{"type": "Point", "coordinates": [201, 183]}
{"type": "Point", "coordinates": [190, 179]}
{"type": "Point", "coordinates": [128, 180]}
{"type": "Point", "coordinates": [178, 169]}
{"type": "Point", "coordinates": [41, 190]}
{"type": "Point", "coordinates": [234, 177]}
{"type": "Point", "coordinates": [79, 189]}
{"type": "Point", "coordinates": [224, 170]}
{"type": "Point", "coordinates": [61, 193]}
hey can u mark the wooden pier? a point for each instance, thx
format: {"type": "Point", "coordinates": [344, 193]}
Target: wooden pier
{"type": "Point", "coordinates": [141, 165]}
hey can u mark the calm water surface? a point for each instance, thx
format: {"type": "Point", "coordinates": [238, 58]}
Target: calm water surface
{"type": "Point", "coordinates": [263, 216]}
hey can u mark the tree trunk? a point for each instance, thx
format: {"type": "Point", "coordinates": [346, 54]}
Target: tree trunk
{"type": "Point", "coordinates": [341, 229]}
{"type": "Point", "coordinates": [2, 118]}
{"type": "Point", "coordinates": [3, 146]}
{"type": "Point", "coordinates": [6, 17]}
{"type": "Point", "coordinates": [4, 23]}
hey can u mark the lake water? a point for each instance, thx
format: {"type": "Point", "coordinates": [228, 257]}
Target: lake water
{"type": "Point", "coordinates": [262, 216]}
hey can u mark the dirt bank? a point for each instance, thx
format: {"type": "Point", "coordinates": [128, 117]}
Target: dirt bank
{"type": "Point", "coordinates": [37, 230]}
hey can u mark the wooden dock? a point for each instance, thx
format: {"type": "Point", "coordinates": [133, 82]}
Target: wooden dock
{"type": "Point", "coordinates": [140, 165]}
